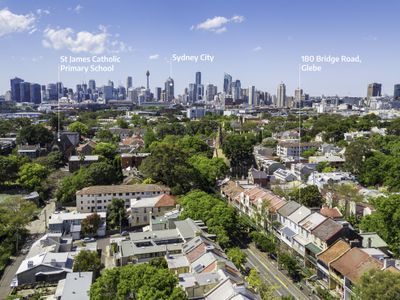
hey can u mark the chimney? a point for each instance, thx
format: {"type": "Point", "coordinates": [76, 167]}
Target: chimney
{"type": "Point", "coordinates": [369, 242]}
{"type": "Point", "coordinates": [30, 264]}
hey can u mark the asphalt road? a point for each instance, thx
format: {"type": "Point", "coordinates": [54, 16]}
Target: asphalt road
{"type": "Point", "coordinates": [272, 275]}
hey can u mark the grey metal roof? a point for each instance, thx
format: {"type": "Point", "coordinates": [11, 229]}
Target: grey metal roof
{"type": "Point", "coordinates": [288, 208]}
{"type": "Point", "coordinates": [77, 286]}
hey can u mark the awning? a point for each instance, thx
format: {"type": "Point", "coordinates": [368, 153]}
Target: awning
{"type": "Point", "coordinates": [288, 232]}
{"type": "Point", "coordinates": [313, 248]}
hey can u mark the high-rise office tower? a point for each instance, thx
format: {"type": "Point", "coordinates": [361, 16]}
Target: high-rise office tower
{"type": "Point", "coordinates": [252, 96]}
{"type": "Point", "coordinates": [43, 93]}
{"type": "Point", "coordinates": [25, 91]}
{"type": "Point", "coordinates": [374, 90]}
{"type": "Point", "coordinates": [298, 94]}
{"type": "Point", "coordinates": [281, 95]}
{"type": "Point", "coordinates": [192, 92]}
{"type": "Point", "coordinates": [211, 91]}
{"type": "Point", "coordinates": [169, 89]}
{"type": "Point", "coordinates": [52, 91]}
{"type": "Point", "coordinates": [396, 93]}
{"type": "Point", "coordinates": [92, 85]}
{"type": "Point", "coordinates": [60, 89]}
{"type": "Point", "coordinates": [236, 89]}
{"type": "Point", "coordinates": [198, 77]}
{"type": "Point", "coordinates": [157, 93]}
{"type": "Point", "coordinates": [35, 93]}
{"type": "Point", "coordinates": [128, 82]}
{"type": "Point", "coordinates": [227, 83]}
{"type": "Point", "coordinates": [15, 90]}
{"type": "Point", "coordinates": [148, 82]}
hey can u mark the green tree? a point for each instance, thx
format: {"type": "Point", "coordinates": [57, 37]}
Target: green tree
{"type": "Point", "coordinates": [254, 280]}
{"type": "Point", "coordinates": [308, 196]}
{"type": "Point", "coordinates": [149, 137]}
{"type": "Point", "coordinates": [106, 150]}
{"type": "Point", "coordinates": [394, 127]}
{"type": "Point", "coordinates": [105, 135]}
{"type": "Point", "coordinates": [290, 264]}
{"type": "Point", "coordinates": [116, 214]}
{"type": "Point", "coordinates": [237, 256]}
{"type": "Point", "coordinates": [210, 169]}
{"type": "Point", "coordinates": [378, 284]}
{"type": "Point", "coordinates": [309, 152]}
{"type": "Point", "coordinates": [141, 282]}
{"type": "Point", "coordinates": [168, 164]}
{"type": "Point", "coordinates": [121, 123]}
{"type": "Point", "coordinates": [385, 221]}
{"type": "Point", "coordinates": [35, 134]}
{"type": "Point", "coordinates": [355, 154]}
{"type": "Point", "coordinates": [90, 224]}
{"type": "Point", "coordinates": [9, 167]}
{"type": "Point", "coordinates": [31, 176]}
{"type": "Point", "coordinates": [263, 242]}
{"type": "Point", "coordinates": [79, 127]}
{"type": "Point", "coordinates": [88, 261]}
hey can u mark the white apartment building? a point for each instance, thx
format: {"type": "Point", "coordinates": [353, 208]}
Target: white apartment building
{"type": "Point", "coordinates": [96, 198]}
{"type": "Point", "coordinates": [293, 149]}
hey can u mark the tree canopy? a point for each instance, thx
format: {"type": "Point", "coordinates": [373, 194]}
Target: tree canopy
{"type": "Point", "coordinates": [378, 284]}
{"type": "Point", "coordinates": [140, 282]}
{"type": "Point", "coordinates": [87, 261]}
{"type": "Point", "coordinates": [34, 134]}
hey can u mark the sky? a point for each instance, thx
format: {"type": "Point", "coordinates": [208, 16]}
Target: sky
{"type": "Point", "coordinates": [260, 42]}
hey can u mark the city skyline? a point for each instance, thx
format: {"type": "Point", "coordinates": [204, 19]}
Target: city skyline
{"type": "Point", "coordinates": [243, 39]}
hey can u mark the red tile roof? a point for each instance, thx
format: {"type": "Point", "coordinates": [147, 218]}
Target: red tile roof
{"type": "Point", "coordinates": [165, 201]}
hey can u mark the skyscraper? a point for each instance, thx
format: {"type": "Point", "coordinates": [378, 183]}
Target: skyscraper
{"type": "Point", "coordinates": [92, 85]}
{"type": "Point", "coordinates": [227, 83]}
{"type": "Point", "coordinates": [374, 90]}
{"type": "Point", "coordinates": [252, 96]}
{"type": "Point", "coordinates": [60, 89]}
{"type": "Point", "coordinates": [281, 95]}
{"type": "Point", "coordinates": [211, 91]}
{"type": "Point", "coordinates": [192, 92]}
{"type": "Point", "coordinates": [128, 82]}
{"type": "Point", "coordinates": [35, 93]}
{"type": "Point", "coordinates": [25, 91]}
{"type": "Point", "coordinates": [396, 93]}
{"type": "Point", "coordinates": [169, 89]}
{"type": "Point", "coordinates": [15, 91]}
{"type": "Point", "coordinates": [236, 89]}
{"type": "Point", "coordinates": [157, 93]}
{"type": "Point", "coordinates": [198, 77]}
{"type": "Point", "coordinates": [52, 91]}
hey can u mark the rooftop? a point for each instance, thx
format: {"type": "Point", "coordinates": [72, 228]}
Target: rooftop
{"type": "Point", "coordinates": [333, 252]}
{"type": "Point", "coordinates": [288, 208]}
{"type": "Point", "coordinates": [133, 188]}
{"type": "Point", "coordinates": [77, 286]}
{"type": "Point", "coordinates": [354, 263]}
{"type": "Point", "coordinates": [326, 229]}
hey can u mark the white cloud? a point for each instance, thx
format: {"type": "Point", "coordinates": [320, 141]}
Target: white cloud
{"type": "Point", "coordinates": [83, 41]}
{"type": "Point", "coordinates": [78, 8]}
{"type": "Point", "coordinates": [217, 24]}
{"type": "Point", "coordinates": [11, 23]}
{"type": "Point", "coordinates": [258, 48]}
{"type": "Point", "coordinates": [154, 56]}
{"type": "Point", "coordinates": [42, 12]}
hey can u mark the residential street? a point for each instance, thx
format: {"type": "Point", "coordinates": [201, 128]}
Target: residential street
{"type": "Point", "coordinates": [270, 273]}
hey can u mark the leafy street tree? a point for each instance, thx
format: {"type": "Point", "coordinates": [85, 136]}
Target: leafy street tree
{"type": "Point", "coordinates": [15, 214]}
{"type": "Point", "coordinates": [378, 284]}
{"type": "Point", "coordinates": [116, 213]}
{"type": "Point", "coordinates": [31, 176]}
{"type": "Point", "coordinates": [141, 282]}
{"type": "Point", "coordinates": [237, 256]}
{"type": "Point", "coordinates": [221, 219]}
{"type": "Point", "coordinates": [254, 280]}
{"type": "Point", "coordinates": [88, 261]}
{"type": "Point", "coordinates": [308, 196]}
{"type": "Point", "coordinates": [265, 243]}
{"type": "Point", "coordinates": [79, 127]}
{"type": "Point", "coordinates": [90, 224]}
{"type": "Point", "coordinates": [34, 134]}
{"type": "Point", "coordinates": [290, 265]}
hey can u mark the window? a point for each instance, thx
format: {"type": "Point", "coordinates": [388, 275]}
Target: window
{"type": "Point", "coordinates": [144, 210]}
{"type": "Point", "coordinates": [81, 208]}
{"type": "Point", "coordinates": [98, 201]}
{"type": "Point", "coordinates": [114, 194]}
